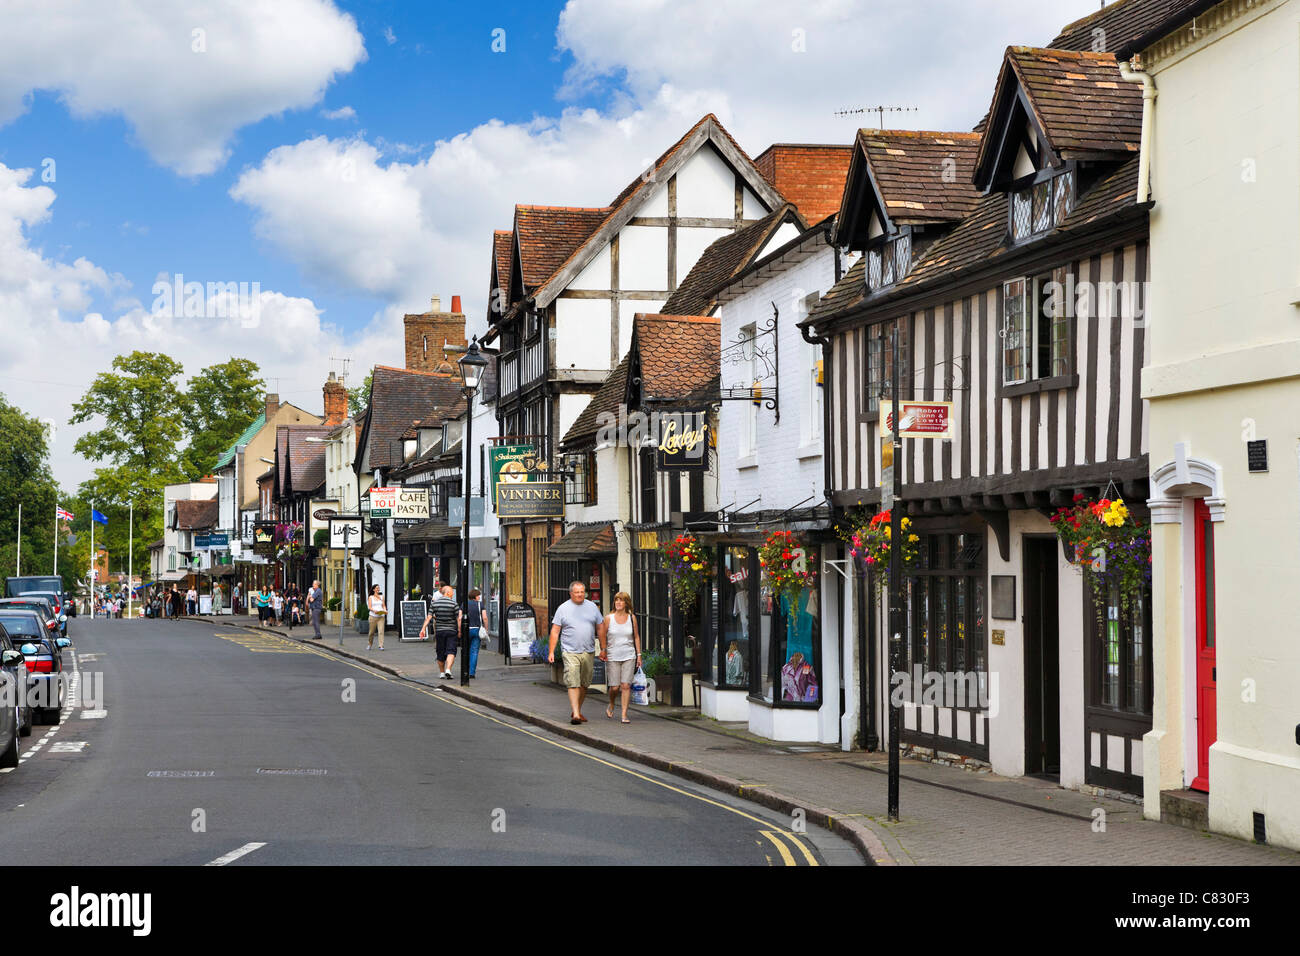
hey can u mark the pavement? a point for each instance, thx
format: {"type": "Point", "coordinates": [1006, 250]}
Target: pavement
{"type": "Point", "coordinates": [948, 815]}
{"type": "Point", "coordinates": [191, 743]}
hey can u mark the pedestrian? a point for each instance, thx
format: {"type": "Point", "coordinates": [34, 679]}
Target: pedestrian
{"type": "Point", "coordinates": [477, 628]}
{"type": "Point", "coordinates": [235, 594]}
{"type": "Point", "coordinates": [574, 626]}
{"type": "Point", "coordinates": [378, 616]}
{"type": "Point", "coordinates": [191, 602]}
{"type": "Point", "coordinates": [620, 649]}
{"type": "Point", "coordinates": [263, 604]}
{"type": "Point", "coordinates": [445, 614]}
{"type": "Point", "coordinates": [315, 605]}
{"type": "Point", "coordinates": [277, 607]}
{"type": "Point", "coordinates": [218, 599]}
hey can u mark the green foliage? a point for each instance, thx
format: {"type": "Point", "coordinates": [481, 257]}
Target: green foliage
{"type": "Point", "coordinates": [362, 613]}
{"type": "Point", "coordinates": [655, 664]}
{"type": "Point", "coordinates": [25, 477]}
{"type": "Point", "coordinates": [221, 402]}
{"type": "Point", "coordinates": [359, 397]}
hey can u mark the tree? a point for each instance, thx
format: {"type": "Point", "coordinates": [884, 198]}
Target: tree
{"type": "Point", "coordinates": [25, 478]}
{"type": "Point", "coordinates": [144, 422]}
{"type": "Point", "coordinates": [359, 397]}
{"type": "Point", "coordinates": [221, 402]}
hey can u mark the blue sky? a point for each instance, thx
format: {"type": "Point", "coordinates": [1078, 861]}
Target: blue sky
{"type": "Point", "coordinates": [192, 137]}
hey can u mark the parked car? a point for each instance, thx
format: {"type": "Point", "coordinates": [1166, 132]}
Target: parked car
{"type": "Point", "coordinates": [12, 684]}
{"type": "Point", "coordinates": [60, 607]}
{"type": "Point", "coordinates": [43, 653]}
{"type": "Point", "coordinates": [25, 683]}
{"type": "Point", "coordinates": [41, 605]}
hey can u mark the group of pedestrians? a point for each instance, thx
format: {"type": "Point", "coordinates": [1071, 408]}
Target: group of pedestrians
{"type": "Point", "coordinates": [578, 626]}
{"type": "Point", "coordinates": [448, 618]}
{"type": "Point", "coordinates": [287, 607]}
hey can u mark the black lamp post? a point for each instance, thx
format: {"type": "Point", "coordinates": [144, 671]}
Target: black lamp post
{"type": "Point", "coordinates": [472, 364]}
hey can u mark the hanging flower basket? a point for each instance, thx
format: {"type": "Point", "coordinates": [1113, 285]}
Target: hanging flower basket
{"type": "Point", "coordinates": [690, 565]}
{"type": "Point", "coordinates": [870, 539]}
{"type": "Point", "coordinates": [1111, 546]}
{"type": "Point", "coordinates": [784, 561]}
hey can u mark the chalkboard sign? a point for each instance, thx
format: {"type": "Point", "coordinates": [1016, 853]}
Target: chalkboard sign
{"type": "Point", "coordinates": [521, 627]}
{"type": "Point", "coordinates": [413, 614]}
{"type": "Point", "coordinates": [1257, 456]}
{"type": "Point", "coordinates": [598, 672]}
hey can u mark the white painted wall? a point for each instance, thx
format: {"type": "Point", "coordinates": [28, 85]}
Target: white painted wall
{"type": "Point", "coordinates": [706, 187]}
{"type": "Point", "coordinates": [691, 243]}
{"type": "Point", "coordinates": [582, 334]}
{"type": "Point", "coordinates": [643, 258]}
{"type": "Point", "coordinates": [595, 275]}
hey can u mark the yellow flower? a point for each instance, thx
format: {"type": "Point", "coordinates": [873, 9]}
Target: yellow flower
{"type": "Point", "coordinates": [906, 522]}
{"type": "Point", "coordinates": [913, 538]}
{"type": "Point", "coordinates": [696, 567]}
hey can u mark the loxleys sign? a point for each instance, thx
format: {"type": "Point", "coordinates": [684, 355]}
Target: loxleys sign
{"type": "Point", "coordinates": [683, 441]}
{"type": "Point", "coordinates": [919, 419]}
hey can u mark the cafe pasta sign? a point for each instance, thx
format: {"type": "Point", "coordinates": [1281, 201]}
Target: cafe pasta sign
{"type": "Point", "coordinates": [683, 441]}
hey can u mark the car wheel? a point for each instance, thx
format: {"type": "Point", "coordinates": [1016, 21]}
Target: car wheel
{"type": "Point", "coordinates": [10, 756]}
{"type": "Point", "coordinates": [26, 728]}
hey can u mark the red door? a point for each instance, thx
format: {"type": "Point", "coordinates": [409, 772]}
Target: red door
{"type": "Point", "coordinates": [1205, 669]}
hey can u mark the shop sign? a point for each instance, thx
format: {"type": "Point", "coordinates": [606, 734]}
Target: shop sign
{"type": "Point", "coordinates": [531, 499]}
{"type": "Point", "coordinates": [320, 514]}
{"type": "Point", "coordinates": [264, 538]}
{"type": "Point", "coordinates": [456, 512]}
{"type": "Point", "coordinates": [683, 440]}
{"type": "Point", "coordinates": [919, 419]}
{"type": "Point", "coordinates": [345, 532]}
{"type": "Point", "coordinates": [647, 540]}
{"type": "Point", "coordinates": [205, 540]}
{"type": "Point", "coordinates": [382, 502]}
{"type": "Point", "coordinates": [511, 464]}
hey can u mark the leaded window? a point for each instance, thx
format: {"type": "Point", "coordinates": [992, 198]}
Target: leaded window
{"type": "Point", "coordinates": [889, 261]}
{"type": "Point", "coordinates": [1042, 205]}
{"type": "Point", "coordinates": [1015, 317]}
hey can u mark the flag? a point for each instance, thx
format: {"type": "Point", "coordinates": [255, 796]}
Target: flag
{"type": "Point", "coordinates": [62, 514]}
{"type": "Point", "coordinates": [96, 516]}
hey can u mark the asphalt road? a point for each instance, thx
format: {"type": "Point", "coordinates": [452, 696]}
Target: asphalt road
{"type": "Point", "coordinates": [191, 744]}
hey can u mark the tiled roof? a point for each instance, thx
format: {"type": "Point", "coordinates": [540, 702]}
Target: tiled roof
{"type": "Point", "coordinates": [249, 434]}
{"type": "Point", "coordinates": [678, 355]}
{"type": "Point", "coordinates": [585, 540]}
{"type": "Point", "coordinates": [1120, 25]}
{"type": "Point", "coordinates": [196, 515]}
{"type": "Point", "coordinates": [400, 396]}
{"type": "Point", "coordinates": [981, 238]}
{"type": "Point", "coordinates": [1082, 103]}
{"type": "Point", "coordinates": [503, 245]}
{"type": "Point", "coordinates": [923, 176]}
{"type": "Point", "coordinates": [723, 258]}
{"type": "Point", "coordinates": [808, 175]}
{"type": "Point", "coordinates": [548, 235]}
{"type": "Point", "coordinates": [306, 460]}
{"type": "Point", "coordinates": [608, 397]}
{"type": "Point", "coordinates": [155, 545]}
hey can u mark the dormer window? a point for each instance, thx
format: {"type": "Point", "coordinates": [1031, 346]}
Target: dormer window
{"type": "Point", "coordinates": [1043, 204]}
{"type": "Point", "coordinates": [889, 260]}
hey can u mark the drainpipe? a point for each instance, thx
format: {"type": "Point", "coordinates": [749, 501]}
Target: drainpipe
{"type": "Point", "coordinates": [1132, 72]}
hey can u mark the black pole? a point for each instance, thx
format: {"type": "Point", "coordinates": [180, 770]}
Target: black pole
{"type": "Point", "coordinates": [466, 489]}
{"type": "Point", "coordinates": [867, 662]}
{"type": "Point", "coordinates": [896, 612]}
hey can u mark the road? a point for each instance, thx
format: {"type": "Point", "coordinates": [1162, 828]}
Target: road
{"type": "Point", "coordinates": [193, 744]}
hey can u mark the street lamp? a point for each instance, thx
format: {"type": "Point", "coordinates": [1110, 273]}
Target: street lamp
{"type": "Point", "coordinates": [347, 534]}
{"type": "Point", "coordinates": [472, 364]}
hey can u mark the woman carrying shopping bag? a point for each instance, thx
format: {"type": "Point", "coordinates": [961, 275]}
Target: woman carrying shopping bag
{"type": "Point", "coordinates": [620, 649]}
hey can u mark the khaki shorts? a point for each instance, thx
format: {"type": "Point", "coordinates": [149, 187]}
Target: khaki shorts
{"type": "Point", "coordinates": [578, 669]}
{"type": "Point", "coordinates": [619, 672]}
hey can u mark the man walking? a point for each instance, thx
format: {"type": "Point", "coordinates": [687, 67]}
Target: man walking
{"type": "Point", "coordinates": [574, 626]}
{"type": "Point", "coordinates": [315, 604]}
{"type": "Point", "coordinates": [445, 614]}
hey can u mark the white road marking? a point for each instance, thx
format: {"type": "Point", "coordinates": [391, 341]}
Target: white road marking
{"type": "Point", "coordinates": [235, 854]}
{"type": "Point", "coordinates": [93, 714]}
{"type": "Point", "coordinates": [68, 747]}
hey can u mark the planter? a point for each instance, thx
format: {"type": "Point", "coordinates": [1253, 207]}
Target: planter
{"type": "Point", "coordinates": [362, 625]}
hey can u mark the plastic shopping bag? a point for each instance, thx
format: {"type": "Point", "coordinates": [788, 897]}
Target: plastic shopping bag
{"type": "Point", "coordinates": [640, 688]}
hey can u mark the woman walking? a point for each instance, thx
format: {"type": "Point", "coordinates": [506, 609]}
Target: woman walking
{"type": "Point", "coordinates": [263, 604]}
{"type": "Point", "coordinates": [478, 628]}
{"type": "Point", "coordinates": [378, 615]}
{"type": "Point", "coordinates": [620, 649]}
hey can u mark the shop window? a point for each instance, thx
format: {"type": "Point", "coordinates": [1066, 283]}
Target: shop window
{"type": "Point", "coordinates": [650, 595]}
{"type": "Point", "coordinates": [1122, 656]}
{"type": "Point", "coordinates": [515, 569]}
{"type": "Point", "coordinates": [537, 579]}
{"type": "Point", "coordinates": [946, 602]}
{"type": "Point", "coordinates": [735, 615]}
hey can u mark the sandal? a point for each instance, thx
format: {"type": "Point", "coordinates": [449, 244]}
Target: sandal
{"type": "Point", "coordinates": [626, 721]}
{"type": "Point", "coordinates": [609, 712]}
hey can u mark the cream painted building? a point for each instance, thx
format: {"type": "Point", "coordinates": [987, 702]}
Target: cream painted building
{"type": "Point", "coordinates": [1223, 376]}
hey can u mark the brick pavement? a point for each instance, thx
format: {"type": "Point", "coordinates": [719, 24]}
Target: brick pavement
{"type": "Point", "coordinates": [949, 815]}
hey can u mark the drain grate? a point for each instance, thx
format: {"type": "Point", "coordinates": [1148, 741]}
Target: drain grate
{"type": "Point", "coordinates": [181, 773]}
{"type": "Point", "coordinates": [292, 771]}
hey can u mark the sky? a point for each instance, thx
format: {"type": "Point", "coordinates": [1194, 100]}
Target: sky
{"type": "Point", "coordinates": [329, 165]}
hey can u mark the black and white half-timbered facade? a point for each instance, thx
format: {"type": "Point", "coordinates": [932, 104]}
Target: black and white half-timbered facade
{"type": "Point", "coordinates": [1010, 264]}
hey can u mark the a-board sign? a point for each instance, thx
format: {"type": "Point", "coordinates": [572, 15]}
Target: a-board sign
{"type": "Point", "coordinates": [598, 672]}
{"type": "Point", "coordinates": [521, 629]}
{"type": "Point", "coordinates": [412, 615]}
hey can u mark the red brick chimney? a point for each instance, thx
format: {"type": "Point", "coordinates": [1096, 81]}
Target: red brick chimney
{"type": "Point", "coordinates": [427, 333]}
{"type": "Point", "coordinates": [272, 405]}
{"type": "Point", "coordinates": [336, 401]}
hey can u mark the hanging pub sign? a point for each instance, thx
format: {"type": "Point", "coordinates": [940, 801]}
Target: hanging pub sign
{"type": "Point", "coordinates": [683, 441]}
{"type": "Point", "coordinates": [510, 464]}
{"type": "Point", "coordinates": [530, 499]}
{"type": "Point", "coordinates": [919, 419]}
{"type": "Point", "coordinates": [264, 539]}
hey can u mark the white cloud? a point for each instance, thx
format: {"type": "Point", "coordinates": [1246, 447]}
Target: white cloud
{"type": "Point", "coordinates": [390, 36]}
{"type": "Point", "coordinates": [353, 216]}
{"type": "Point", "coordinates": [343, 112]}
{"type": "Point", "coordinates": [185, 74]}
{"type": "Point", "coordinates": [56, 342]}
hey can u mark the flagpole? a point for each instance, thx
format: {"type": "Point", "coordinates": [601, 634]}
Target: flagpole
{"type": "Point", "coordinates": [92, 560]}
{"type": "Point", "coordinates": [56, 540]}
{"type": "Point", "coordinates": [130, 561]}
{"type": "Point", "coordinates": [18, 562]}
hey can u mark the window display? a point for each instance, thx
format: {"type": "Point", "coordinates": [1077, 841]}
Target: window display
{"type": "Point", "coordinates": [734, 617]}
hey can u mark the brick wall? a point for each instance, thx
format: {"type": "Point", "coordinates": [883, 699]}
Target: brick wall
{"type": "Point", "coordinates": [425, 335]}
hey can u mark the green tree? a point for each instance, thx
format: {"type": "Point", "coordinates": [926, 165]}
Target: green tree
{"type": "Point", "coordinates": [222, 400]}
{"type": "Point", "coordinates": [359, 397]}
{"type": "Point", "coordinates": [25, 478]}
{"type": "Point", "coordinates": [143, 413]}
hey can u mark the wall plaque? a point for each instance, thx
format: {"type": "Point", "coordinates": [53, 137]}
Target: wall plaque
{"type": "Point", "coordinates": [1257, 456]}
{"type": "Point", "coordinates": [1002, 596]}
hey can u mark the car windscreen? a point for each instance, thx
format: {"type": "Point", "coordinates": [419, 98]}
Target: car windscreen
{"type": "Point", "coordinates": [17, 586]}
{"type": "Point", "coordinates": [42, 609]}
{"type": "Point", "coordinates": [20, 626]}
